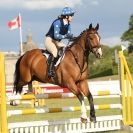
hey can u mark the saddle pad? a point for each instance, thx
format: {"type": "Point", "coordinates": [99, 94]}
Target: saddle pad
{"type": "Point", "coordinates": [58, 61]}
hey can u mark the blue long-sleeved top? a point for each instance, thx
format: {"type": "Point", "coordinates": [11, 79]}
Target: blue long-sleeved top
{"type": "Point", "coordinates": [58, 30]}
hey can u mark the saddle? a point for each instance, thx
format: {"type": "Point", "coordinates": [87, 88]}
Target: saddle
{"type": "Point", "coordinates": [59, 58]}
{"type": "Point", "coordinates": [54, 62]}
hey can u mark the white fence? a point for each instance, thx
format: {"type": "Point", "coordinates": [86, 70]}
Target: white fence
{"type": "Point", "coordinates": [104, 89]}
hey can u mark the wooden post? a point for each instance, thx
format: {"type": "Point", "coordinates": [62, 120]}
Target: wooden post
{"type": "Point", "coordinates": [126, 84]}
{"type": "Point", "coordinates": [3, 111]}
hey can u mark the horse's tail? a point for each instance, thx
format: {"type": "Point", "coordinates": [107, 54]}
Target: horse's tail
{"type": "Point", "coordinates": [16, 87]}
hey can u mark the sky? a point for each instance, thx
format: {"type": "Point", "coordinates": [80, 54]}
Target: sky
{"type": "Point", "coordinates": [37, 15]}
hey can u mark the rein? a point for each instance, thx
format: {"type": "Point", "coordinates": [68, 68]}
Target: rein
{"type": "Point", "coordinates": [82, 69]}
{"type": "Point", "coordinates": [76, 59]}
{"type": "Point", "coordinates": [88, 49]}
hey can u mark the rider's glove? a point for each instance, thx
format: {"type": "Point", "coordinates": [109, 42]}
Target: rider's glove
{"type": "Point", "coordinates": [69, 36]}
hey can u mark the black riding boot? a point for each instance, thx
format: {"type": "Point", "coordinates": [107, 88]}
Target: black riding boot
{"type": "Point", "coordinates": [51, 71]}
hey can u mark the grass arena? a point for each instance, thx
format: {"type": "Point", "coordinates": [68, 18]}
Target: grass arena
{"type": "Point", "coordinates": [60, 111]}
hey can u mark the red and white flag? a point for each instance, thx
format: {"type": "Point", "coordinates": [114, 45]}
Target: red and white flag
{"type": "Point", "coordinates": [15, 23]}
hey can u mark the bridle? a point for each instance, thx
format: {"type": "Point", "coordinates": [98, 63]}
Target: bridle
{"type": "Point", "coordinates": [86, 51]}
{"type": "Point", "coordinates": [89, 45]}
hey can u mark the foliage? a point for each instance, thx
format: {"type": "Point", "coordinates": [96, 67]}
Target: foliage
{"type": "Point", "coordinates": [130, 48]}
{"type": "Point", "coordinates": [108, 64]}
{"type": "Point", "coordinates": [128, 35]}
{"type": "Point", "coordinates": [129, 59]}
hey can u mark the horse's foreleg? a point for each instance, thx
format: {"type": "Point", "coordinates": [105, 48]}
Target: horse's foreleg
{"type": "Point", "coordinates": [85, 90]}
{"type": "Point", "coordinates": [92, 109]}
{"type": "Point", "coordinates": [83, 108]}
{"type": "Point", "coordinates": [73, 88]}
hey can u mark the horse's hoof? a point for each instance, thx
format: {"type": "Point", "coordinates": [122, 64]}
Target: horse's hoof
{"type": "Point", "coordinates": [93, 119]}
{"type": "Point", "coordinates": [13, 103]}
{"type": "Point", "coordinates": [83, 120]}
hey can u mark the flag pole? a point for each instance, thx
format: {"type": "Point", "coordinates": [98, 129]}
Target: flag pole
{"type": "Point", "coordinates": [21, 47]}
{"type": "Point", "coordinates": [20, 33]}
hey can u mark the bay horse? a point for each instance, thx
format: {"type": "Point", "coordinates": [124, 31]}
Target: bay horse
{"type": "Point", "coordinates": [71, 73]}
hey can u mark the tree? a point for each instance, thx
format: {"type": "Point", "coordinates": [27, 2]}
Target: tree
{"type": "Point", "coordinates": [128, 35]}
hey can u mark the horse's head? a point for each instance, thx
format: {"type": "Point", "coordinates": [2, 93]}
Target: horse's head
{"type": "Point", "coordinates": [93, 41]}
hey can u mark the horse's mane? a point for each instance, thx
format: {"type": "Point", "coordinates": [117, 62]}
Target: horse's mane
{"type": "Point", "coordinates": [78, 37]}
{"type": "Point", "coordinates": [81, 34]}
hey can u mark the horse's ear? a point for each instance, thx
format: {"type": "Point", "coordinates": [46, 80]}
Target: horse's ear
{"type": "Point", "coordinates": [97, 27]}
{"type": "Point", "coordinates": [90, 26]}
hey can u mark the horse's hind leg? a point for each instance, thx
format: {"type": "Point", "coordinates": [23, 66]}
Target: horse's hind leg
{"type": "Point", "coordinates": [85, 90]}
{"type": "Point", "coordinates": [18, 87]}
{"type": "Point", "coordinates": [17, 91]}
{"type": "Point", "coordinates": [30, 87]}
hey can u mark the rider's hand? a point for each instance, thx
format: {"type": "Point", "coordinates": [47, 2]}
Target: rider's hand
{"type": "Point", "coordinates": [69, 36]}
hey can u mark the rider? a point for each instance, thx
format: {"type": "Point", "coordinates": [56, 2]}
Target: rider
{"type": "Point", "coordinates": [60, 29]}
